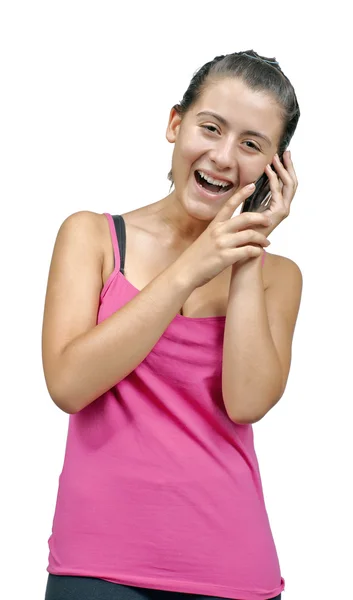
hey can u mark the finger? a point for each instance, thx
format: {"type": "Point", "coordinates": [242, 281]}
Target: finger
{"type": "Point", "coordinates": [244, 238]}
{"type": "Point", "coordinates": [289, 180]}
{"type": "Point", "coordinates": [246, 252]}
{"type": "Point", "coordinates": [276, 182]}
{"type": "Point", "coordinates": [283, 170]}
{"type": "Point", "coordinates": [247, 221]}
{"type": "Point", "coordinates": [290, 168]}
{"type": "Point", "coordinates": [282, 193]}
{"type": "Point", "coordinates": [233, 203]}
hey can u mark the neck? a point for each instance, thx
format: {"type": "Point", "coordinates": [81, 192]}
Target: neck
{"type": "Point", "coordinates": [182, 227]}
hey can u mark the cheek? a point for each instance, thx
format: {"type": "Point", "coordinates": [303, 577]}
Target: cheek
{"type": "Point", "coordinates": [251, 170]}
{"type": "Point", "coordinates": [189, 152]}
{"type": "Point", "coordinates": [190, 149]}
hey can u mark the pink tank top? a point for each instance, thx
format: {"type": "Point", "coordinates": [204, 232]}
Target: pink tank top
{"type": "Point", "coordinates": [159, 488]}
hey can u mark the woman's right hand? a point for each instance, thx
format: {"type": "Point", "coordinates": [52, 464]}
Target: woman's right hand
{"type": "Point", "coordinates": [226, 241]}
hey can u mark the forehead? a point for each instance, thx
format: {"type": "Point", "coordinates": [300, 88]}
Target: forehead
{"type": "Point", "coordinates": [241, 106]}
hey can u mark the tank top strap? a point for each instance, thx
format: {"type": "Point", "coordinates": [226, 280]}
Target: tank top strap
{"type": "Point", "coordinates": [118, 237]}
{"type": "Point", "coordinates": [263, 257]}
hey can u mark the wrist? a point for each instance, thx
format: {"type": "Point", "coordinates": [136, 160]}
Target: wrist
{"type": "Point", "coordinates": [247, 271]}
{"type": "Point", "coordinates": [248, 264]}
{"type": "Point", "coordinates": [181, 277]}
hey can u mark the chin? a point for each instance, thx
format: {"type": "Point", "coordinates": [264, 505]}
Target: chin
{"type": "Point", "coordinates": [197, 209]}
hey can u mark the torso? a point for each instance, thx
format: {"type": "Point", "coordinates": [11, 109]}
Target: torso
{"type": "Point", "coordinates": [148, 254]}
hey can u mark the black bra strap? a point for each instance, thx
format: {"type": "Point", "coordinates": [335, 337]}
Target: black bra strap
{"type": "Point", "coordinates": [121, 237]}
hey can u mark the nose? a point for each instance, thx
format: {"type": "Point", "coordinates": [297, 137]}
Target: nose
{"type": "Point", "coordinates": [223, 155]}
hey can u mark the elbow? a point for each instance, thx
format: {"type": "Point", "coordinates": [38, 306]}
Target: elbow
{"type": "Point", "coordinates": [252, 411]}
{"type": "Point", "coordinates": [66, 392]}
{"type": "Point", "coordinates": [240, 419]}
{"type": "Point", "coordinates": [62, 396]}
{"type": "Point", "coordinates": [242, 416]}
{"type": "Point", "coordinates": [248, 418]}
{"type": "Point", "coordinates": [67, 408]}
{"type": "Point", "coordinates": [72, 397]}
{"type": "Point", "coordinates": [62, 402]}
{"type": "Point", "coordinates": [57, 383]}
{"type": "Point", "coordinates": [246, 414]}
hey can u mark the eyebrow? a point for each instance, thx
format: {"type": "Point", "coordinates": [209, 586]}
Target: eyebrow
{"type": "Point", "coordinates": [207, 113]}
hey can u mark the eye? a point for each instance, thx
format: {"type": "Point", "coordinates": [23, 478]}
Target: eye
{"type": "Point", "coordinates": [253, 146]}
{"type": "Point", "coordinates": [211, 128]}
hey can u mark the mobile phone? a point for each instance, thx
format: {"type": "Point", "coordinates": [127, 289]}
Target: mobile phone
{"type": "Point", "coordinates": [261, 197]}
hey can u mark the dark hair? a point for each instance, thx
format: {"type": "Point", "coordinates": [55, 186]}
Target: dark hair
{"type": "Point", "coordinates": [259, 73]}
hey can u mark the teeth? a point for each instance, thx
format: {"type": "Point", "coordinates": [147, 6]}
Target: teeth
{"type": "Point", "coordinates": [213, 181]}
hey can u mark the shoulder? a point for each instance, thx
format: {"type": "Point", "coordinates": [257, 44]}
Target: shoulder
{"type": "Point", "coordinates": [83, 235]}
{"type": "Point", "coordinates": [281, 269]}
{"type": "Point", "coordinates": [85, 226]}
{"type": "Point", "coordinates": [83, 219]}
{"type": "Point", "coordinates": [283, 284]}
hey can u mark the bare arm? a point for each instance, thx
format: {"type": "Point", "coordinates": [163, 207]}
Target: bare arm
{"type": "Point", "coordinates": [258, 338]}
{"type": "Point", "coordinates": [81, 359]}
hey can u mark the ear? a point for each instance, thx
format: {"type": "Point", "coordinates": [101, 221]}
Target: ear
{"type": "Point", "coordinates": [174, 123]}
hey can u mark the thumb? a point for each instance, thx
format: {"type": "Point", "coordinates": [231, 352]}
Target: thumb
{"type": "Point", "coordinates": [232, 204]}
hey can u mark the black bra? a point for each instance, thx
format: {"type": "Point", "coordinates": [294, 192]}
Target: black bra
{"type": "Point", "coordinates": [121, 237]}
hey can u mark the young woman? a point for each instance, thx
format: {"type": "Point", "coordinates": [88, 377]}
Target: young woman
{"type": "Point", "coordinates": [167, 333]}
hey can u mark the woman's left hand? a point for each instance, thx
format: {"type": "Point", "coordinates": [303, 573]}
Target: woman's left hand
{"type": "Point", "coordinates": [283, 184]}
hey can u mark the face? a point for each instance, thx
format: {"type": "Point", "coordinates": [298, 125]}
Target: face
{"type": "Point", "coordinates": [228, 137]}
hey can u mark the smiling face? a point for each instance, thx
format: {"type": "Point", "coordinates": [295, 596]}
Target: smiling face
{"type": "Point", "coordinates": [223, 142]}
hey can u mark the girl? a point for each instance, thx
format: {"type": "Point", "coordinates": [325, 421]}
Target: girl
{"type": "Point", "coordinates": [167, 333]}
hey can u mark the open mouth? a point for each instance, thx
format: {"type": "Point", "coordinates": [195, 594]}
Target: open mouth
{"type": "Point", "coordinates": [208, 183]}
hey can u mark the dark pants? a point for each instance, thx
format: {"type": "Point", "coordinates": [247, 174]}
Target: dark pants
{"type": "Point", "coordinates": [63, 587]}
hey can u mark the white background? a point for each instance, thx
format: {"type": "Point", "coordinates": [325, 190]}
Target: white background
{"type": "Point", "coordinates": [86, 93]}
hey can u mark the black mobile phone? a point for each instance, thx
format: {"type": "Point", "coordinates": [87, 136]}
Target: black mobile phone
{"type": "Point", "coordinates": [261, 197]}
